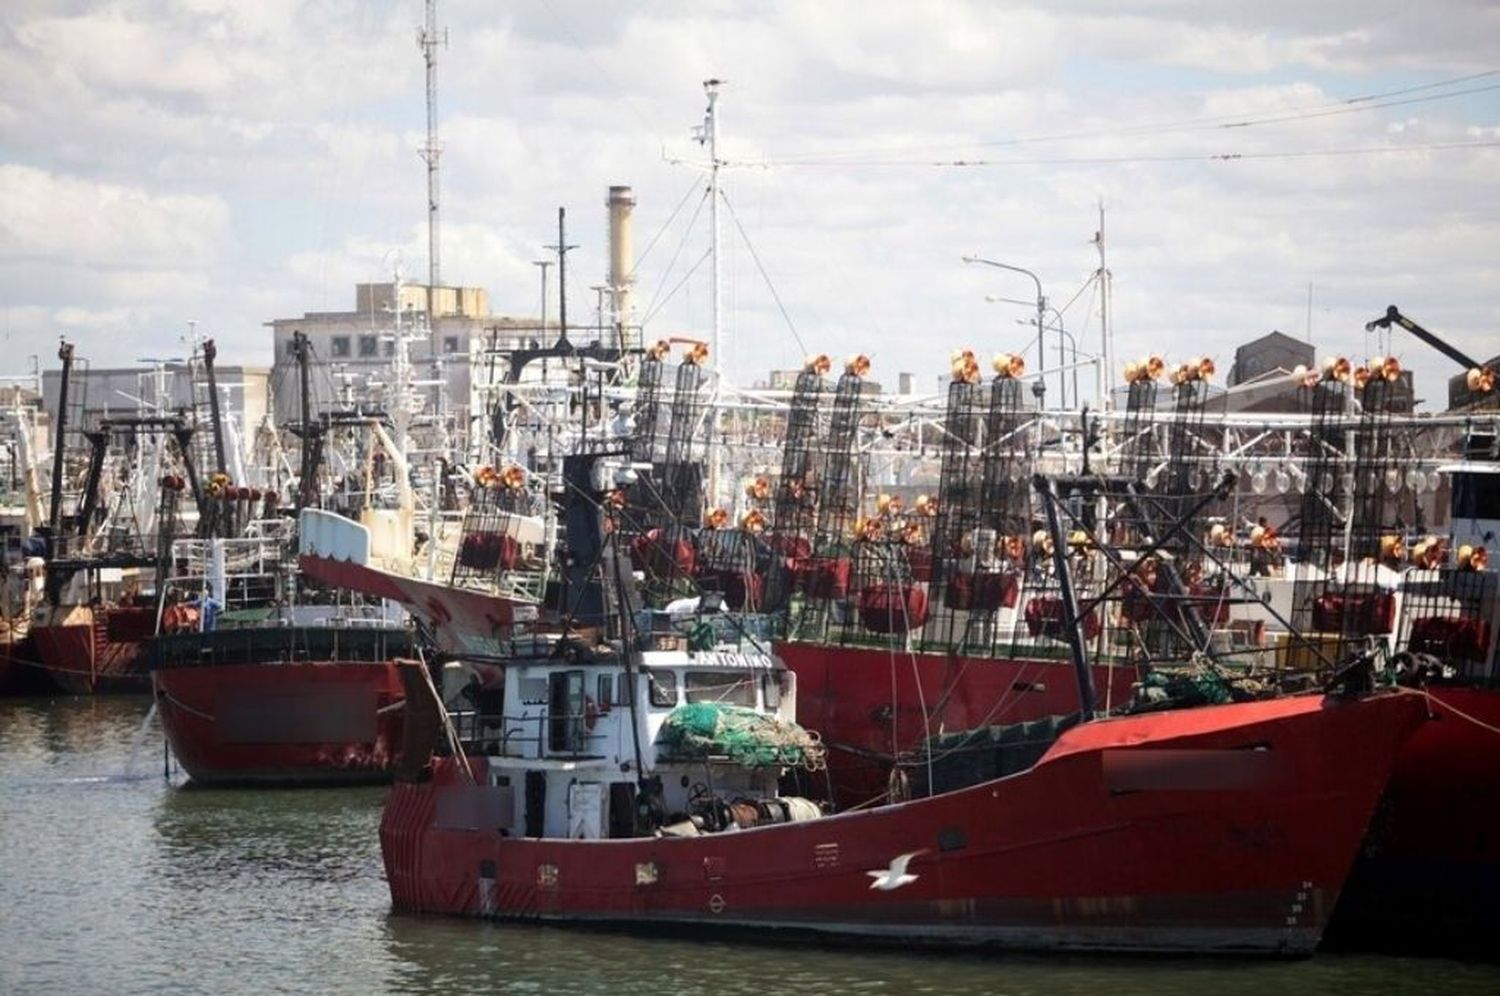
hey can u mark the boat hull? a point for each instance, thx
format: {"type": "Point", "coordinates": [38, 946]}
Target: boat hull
{"type": "Point", "coordinates": [1081, 851]}
{"type": "Point", "coordinates": [88, 650]}
{"type": "Point", "coordinates": [1427, 877]}
{"type": "Point", "coordinates": [18, 670]}
{"type": "Point", "coordinates": [279, 722]}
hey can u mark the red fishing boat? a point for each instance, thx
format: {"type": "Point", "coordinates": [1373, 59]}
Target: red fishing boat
{"type": "Point", "coordinates": [1222, 829]}
{"type": "Point", "coordinates": [1429, 868]}
{"type": "Point", "coordinates": [260, 679]}
{"type": "Point", "coordinates": [101, 647]}
{"type": "Point", "coordinates": [632, 777]}
{"type": "Point", "coordinates": [288, 705]}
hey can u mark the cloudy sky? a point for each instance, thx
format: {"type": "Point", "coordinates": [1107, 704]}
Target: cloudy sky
{"type": "Point", "coordinates": [228, 162]}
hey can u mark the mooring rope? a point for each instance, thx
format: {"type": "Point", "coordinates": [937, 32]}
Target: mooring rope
{"type": "Point", "coordinates": [1431, 698]}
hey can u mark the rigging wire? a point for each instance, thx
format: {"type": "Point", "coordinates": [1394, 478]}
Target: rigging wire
{"type": "Point", "coordinates": [692, 185]}
{"type": "Point", "coordinates": [652, 307]}
{"type": "Point", "coordinates": [763, 274]}
{"type": "Point", "coordinates": [657, 306]}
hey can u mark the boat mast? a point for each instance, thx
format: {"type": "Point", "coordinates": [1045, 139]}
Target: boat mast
{"type": "Point", "coordinates": [59, 446]}
{"type": "Point", "coordinates": [1072, 621]}
{"type": "Point", "coordinates": [306, 486]}
{"type": "Point", "coordinates": [428, 39]}
{"type": "Point", "coordinates": [561, 249]}
{"type": "Point", "coordinates": [708, 135]}
{"type": "Point", "coordinates": [210, 352]}
{"type": "Point", "coordinates": [1104, 332]}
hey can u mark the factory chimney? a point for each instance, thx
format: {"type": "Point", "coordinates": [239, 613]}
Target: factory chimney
{"type": "Point", "coordinates": [621, 262]}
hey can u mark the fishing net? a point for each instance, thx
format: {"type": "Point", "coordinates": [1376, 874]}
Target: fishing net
{"type": "Point", "coordinates": [744, 736]}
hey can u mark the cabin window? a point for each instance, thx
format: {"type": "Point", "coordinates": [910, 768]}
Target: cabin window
{"type": "Point", "coordinates": [369, 346]}
{"type": "Point", "coordinates": [663, 688]}
{"type": "Point", "coordinates": [566, 732]}
{"type": "Point", "coordinates": [622, 690]}
{"type": "Point", "coordinates": [338, 346]}
{"type": "Point", "coordinates": [1476, 496]}
{"type": "Point", "coordinates": [604, 691]}
{"type": "Point", "coordinates": [450, 344]}
{"type": "Point", "coordinates": [717, 686]}
{"type": "Point", "coordinates": [771, 686]}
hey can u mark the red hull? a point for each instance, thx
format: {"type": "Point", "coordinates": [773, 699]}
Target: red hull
{"type": "Point", "coordinates": [846, 694]}
{"type": "Point", "coordinates": [16, 659]}
{"type": "Point", "coordinates": [1431, 870]}
{"type": "Point", "coordinates": [1082, 851]}
{"type": "Point", "coordinates": [97, 650]}
{"type": "Point", "coordinates": [326, 722]}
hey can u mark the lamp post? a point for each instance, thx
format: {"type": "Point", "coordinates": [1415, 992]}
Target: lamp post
{"type": "Point", "coordinates": [1066, 342]}
{"type": "Point", "coordinates": [1041, 319]}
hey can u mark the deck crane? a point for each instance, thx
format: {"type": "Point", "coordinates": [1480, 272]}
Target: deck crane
{"type": "Point", "coordinates": [1393, 316]}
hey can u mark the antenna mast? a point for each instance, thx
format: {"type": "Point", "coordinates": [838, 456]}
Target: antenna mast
{"type": "Point", "coordinates": [428, 40]}
{"type": "Point", "coordinates": [709, 135]}
{"type": "Point", "coordinates": [1104, 331]}
{"type": "Point", "coordinates": [561, 249]}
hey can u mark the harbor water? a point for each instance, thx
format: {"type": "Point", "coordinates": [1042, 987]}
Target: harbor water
{"type": "Point", "coordinates": [115, 879]}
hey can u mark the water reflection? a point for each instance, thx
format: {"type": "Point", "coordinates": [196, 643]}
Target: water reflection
{"type": "Point", "coordinates": [127, 883]}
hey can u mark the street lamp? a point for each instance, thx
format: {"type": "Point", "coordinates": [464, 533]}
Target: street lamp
{"type": "Point", "coordinates": [1065, 341]}
{"type": "Point", "coordinates": [1041, 318]}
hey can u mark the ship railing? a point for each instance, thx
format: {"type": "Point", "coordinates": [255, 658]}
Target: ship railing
{"type": "Point", "coordinates": [252, 567]}
{"type": "Point", "coordinates": [282, 644]}
{"type": "Point", "coordinates": [550, 736]}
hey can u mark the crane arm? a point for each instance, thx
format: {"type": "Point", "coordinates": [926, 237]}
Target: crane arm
{"type": "Point", "coordinates": [1394, 316]}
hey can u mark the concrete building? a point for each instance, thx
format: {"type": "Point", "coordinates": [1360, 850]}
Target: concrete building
{"type": "Point", "coordinates": [1272, 351]}
{"type": "Point", "coordinates": [352, 352]}
{"type": "Point", "coordinates": [244, 395]}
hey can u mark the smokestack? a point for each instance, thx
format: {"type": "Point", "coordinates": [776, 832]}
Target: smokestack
{"type": "Point", "coordinates": [621, 256]}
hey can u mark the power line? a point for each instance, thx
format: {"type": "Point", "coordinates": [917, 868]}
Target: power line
{"type": "Point", "coordinates": [1124, 160]}
{"type": "Point", "coordinates": [614, 86]}
{"type": "Point", "coordinates": [1353, 105]}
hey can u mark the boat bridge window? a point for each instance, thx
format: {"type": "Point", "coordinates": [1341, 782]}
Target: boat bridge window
{"type": "Point", "coordinates": [604, 692]}
{"type": "Point", "coordinates": [663, 688]}
{"type": "Point", "coordinates": [369, 346]}
{"type": "Point", "coordinates": [1476, 496]}
{"type": "Point", "coordinates": [338, 346]}
{"type": "Point", "coordinates": [566, 731]}
{"type": "Point", "coordinates": [716, 686]}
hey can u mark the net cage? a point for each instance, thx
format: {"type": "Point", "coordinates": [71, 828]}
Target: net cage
{"type": "Point", "coordinates": [823, 577]}
{"type": "Point", "coordinates": [1322, 514]}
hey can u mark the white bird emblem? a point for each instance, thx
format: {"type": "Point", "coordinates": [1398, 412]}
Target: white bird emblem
{"type": "Point", "coordinates": [895, 876]}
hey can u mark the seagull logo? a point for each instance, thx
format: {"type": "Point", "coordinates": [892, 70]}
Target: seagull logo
{"type": "Point", "coordinates": [895, 876]}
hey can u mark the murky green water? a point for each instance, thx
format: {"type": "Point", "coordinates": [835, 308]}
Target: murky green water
{"type": "Point", "coordinates": [114, 880]}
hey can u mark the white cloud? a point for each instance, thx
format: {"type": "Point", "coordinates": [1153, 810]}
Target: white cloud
{"type": "Point", "coordinates": [234, 162]}
{"type": "Point", "coordinates": [78, 222]}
